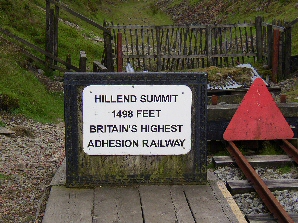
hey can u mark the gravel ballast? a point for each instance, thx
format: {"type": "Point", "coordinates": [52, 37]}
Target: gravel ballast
{"type": "Point", "coordinates": [250, 203]}
{"type": "Point", "coordinates": [29, 159]}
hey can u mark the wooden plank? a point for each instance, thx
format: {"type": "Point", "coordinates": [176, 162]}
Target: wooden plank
{"type": "Point", "coordinates": [209, 45]}
{"type": "Point", "coordinates": [56, 30]}
{"type": "Point", "coordinates": [80, 16]}
{"type": "Point", "coordinates": [131, 47]}
{"type": "Point", "coordinates": [199, 198]}
{"type": "Point", "coordinates": [181, 208]}
{"type": "Point", "coordinates": [190, 56]}
{"type": "Point", "coordinates": [266, 218]}
{"type": "Point", "coordinates": [48, 31]}
{"type": "Point", "coordinates": [158, 48]}
{"type": "Point", "coordinates": [288, 51]}
{"type": "Point", "coordinates": [108, 51]}
{"type": "Point", "coordinates": [275, 60]}
{"type": "Point", "coordinates": [98, 67]}
{"type": "Point", "coordinates": [119, 52]}
{"type": "Point", "coordinates": [259, 38]}
{"type": "Point", "coordinates": [243, 186]}
{"type": "Point", "coordinates": [257, 160]}
{"type": "Point", "coordinates": [202, 26]}
{"type": "Point", "coordinates": [157, 204]}
{"type": "Point", "coordinates": [83, 61]}
{"type": "Point", "coordinates": [269, 46]}
{"type": "Point", "coordinates": [117, 204]}
{"type": "Point", "coordinates": [5, 131]}
{"type": "Point", "coordinates": [137, 47]}
{"type": "Point", "coordinates": [25, 42]}
{"type": "Point", "coordinates": [69, 205]}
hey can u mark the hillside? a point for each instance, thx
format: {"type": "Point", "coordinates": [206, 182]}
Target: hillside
{"type": "Point", "coordinates": [26, 19]}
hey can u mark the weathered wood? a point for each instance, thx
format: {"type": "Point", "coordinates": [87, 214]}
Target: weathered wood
{"type": "Point", "coordinates": [281, 74]}
{"type": "Point", "coordinates": [275, 60]}
{"type": "Point", "coordinates": [200, 26]}
{"type": "Point", "coordinates": [287, 51]}
{"type": "Point", "coordinates": [25, 42]}
{"type": "Point", "coordinates": [48, 31]}
{"type": "Point", "coordinates": [161, 211]}
{"type": "Point", "coordinates": [56, 30]}
{"type": "Point", "coordinates": [243, 186]}
{"type": "Point", "coordinates": [50, 37]}
{"type": "Point", "coordinates": [131, 45]}
{"type": "Point", "coordinates": [119, 53]}
{"type": "Point", "coordinates": [108, 50]}
{"type": "Point", "coordinates": [83, 61]}
{"type": "Point", "coordinates": [69, 205]}
{"type": "Point", "coordinates": [78, 15]}
{"type": "Point", "coordinates": [293, 22]}
{"type": "Point", "coordinates": [68, 60]}
{"type": "Point", "coordinates": [118, 204]}
{"type": "Point", "coordinates": [180, 47]}
{"type": "Point", "coordinates": [266, 218]}
{"type": "Point", "coordinates": [257, 160]}
{"type": "Point", "coordinates": [181, 207]}
{"type": "Point", "coordinates": [259, 41]}
{"type": "Point", "coordinates": [5, 131]}
{"type": "Point", "coordinates": [158, 48]}
{"type": "Point", "coordinates": [269, 45]}
{"type": "Point", "coordinates": [199, 199]}
{"type": "Point", "coordinates": [208, 45]}
{"type": "Point", "coordinates": [98, 67]}
{"type": "Point", "coordinates": [137, 48]}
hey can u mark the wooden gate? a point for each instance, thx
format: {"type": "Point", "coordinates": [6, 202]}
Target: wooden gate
{"type": "Point", "coordinates": [173, 48]}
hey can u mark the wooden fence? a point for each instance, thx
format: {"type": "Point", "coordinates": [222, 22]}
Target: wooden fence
{"type": "Point", "coordinates": [49, 56]}
{"type": "Point", "coordinates": [171, 48]}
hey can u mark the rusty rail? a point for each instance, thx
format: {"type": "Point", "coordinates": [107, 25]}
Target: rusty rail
{"type": "Point", "coordinates": [290, 150]}
{"type": "Point", "coordinates": [265, 194]}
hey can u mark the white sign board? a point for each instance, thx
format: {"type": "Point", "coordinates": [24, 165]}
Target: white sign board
{"type": "Point", "coordinates": [137, 119]}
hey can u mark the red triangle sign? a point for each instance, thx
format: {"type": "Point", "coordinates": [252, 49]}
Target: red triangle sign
{"type": "Point", "coordinates": [258, 117]}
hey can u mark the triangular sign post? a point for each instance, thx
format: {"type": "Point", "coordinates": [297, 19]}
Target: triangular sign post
{"type": "Point", "coordinates": [258, 117]}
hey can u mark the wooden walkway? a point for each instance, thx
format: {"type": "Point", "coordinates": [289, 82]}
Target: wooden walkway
{"type": "Point", "coordinates": [139, 204]}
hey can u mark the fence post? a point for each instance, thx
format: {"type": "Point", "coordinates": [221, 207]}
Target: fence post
{"type": "Point", "coordinates": [49, 40]}
{"type": "Point", "coordinates": [119, 53]}
{"type": "Point", "coordinates": [83, 61]}
{"type": "Point", "coordinates": [275, 60]}
{"type": "Point", "coordinates": [259, 41]}
{"type": "Point", "coordinates": [209, 45]}
{"type": "Point", "coordinates": [108, 50]}
{"type": "Point", "coordinates": [55, 41]}
{"type": "Point", "coordinates": [68, 60]}
{"type": "Point", "coordinates": [287, 50]}
{"type": "Point", "coordinates": [269, 46]}
{"type": "Point", "coordinates": [158, 48]}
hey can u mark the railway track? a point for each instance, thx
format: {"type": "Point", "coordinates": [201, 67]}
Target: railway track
{"type": "Point", "coordinates": [259, 185]}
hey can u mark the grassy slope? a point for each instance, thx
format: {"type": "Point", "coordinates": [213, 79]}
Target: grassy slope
{"type": "Point", "coordinates": [26, 18]}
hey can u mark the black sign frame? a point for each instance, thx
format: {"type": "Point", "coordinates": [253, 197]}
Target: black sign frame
{"type": "Point", "coordinates": [79, 164]}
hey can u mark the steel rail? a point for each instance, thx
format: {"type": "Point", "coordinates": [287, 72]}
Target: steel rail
{"type": "Point", "coordinates": [265, 194]}
{"type": "Point", "coordinates": [290, 150]}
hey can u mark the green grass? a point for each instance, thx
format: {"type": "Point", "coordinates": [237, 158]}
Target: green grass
{"type": "Point", "coordinates": [285, 169]}
{"type": "Point", "coordinates": [269, 148]}
{"type": "Point", "coordinates": [2, 176]}
{"type": "Point", "coordinates": [34, 99]}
